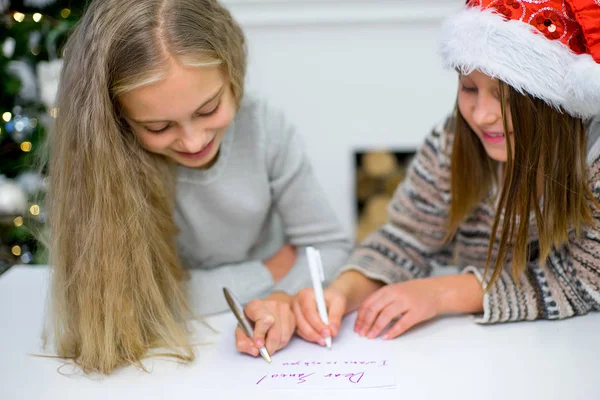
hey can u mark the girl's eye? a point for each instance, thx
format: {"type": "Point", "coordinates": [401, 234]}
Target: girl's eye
{"type": "Point", "coordinates": [158, 130]}
{"type": "Point", "coordinates": [208, 114]}
{"type": "Point", "coordinates": [468, 89]}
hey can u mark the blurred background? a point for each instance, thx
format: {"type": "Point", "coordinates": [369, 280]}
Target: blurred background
{"type": "Point", "coordinates": [31, 36]}
{"type": "Point", "coordinates": [360, 80]}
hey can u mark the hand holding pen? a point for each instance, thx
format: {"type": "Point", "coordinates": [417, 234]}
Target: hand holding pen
{"type": "Point", "coordinates": [265, 325]}
{"type": "Point", "coordinates": [318, 312]}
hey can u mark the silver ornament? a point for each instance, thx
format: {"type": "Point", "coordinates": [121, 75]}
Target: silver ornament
{"type": "Point", "coordinates": [31, 182]}
{"type": "Point", "coordinates": [8, 47]}
{"type": "Point", "coordinates": [13, 200]}
{"type": "Point", "coordinates": [25, 73]}
{"type": "Point", "coordinates": [48, 73]}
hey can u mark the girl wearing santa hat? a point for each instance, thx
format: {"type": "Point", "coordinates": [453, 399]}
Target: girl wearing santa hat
{"type": "Point", "coordinates": [507, 189]}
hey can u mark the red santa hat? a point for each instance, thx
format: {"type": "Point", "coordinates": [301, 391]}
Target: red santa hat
{"type": "Point", "coordinates": [547, 48]}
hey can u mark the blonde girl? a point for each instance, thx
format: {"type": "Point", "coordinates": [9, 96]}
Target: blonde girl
{"type": "Point", "coordinates": [164, 177]}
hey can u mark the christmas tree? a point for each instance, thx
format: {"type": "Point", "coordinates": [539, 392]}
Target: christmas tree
{"type": "Point", "coordinates": [32, 34]}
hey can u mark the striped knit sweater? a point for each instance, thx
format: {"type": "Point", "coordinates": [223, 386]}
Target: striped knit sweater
{"type": "Point", "coordinates": [411, 243]}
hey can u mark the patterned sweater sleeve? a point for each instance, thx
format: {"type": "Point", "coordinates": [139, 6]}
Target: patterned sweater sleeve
{"type": "Point", "coordinates": [411, 243]}
{"type": "Point", "coordinates": [568, 284]}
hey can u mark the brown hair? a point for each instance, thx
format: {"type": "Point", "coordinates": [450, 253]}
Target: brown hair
{"type": "Point", "coordinates": [116, 286]}
{"type": "Point", "coordinates": [549, 145]}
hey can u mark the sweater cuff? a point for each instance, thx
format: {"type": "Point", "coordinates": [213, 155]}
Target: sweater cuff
{"type": "Point", "coordinates": [377, 270]}
{"type": "Point", "coordinates": [485, 317]}
{"type": "Point", "coordinates": [377, 266]}
{"type": "Point", "coordinates": [371, 274]}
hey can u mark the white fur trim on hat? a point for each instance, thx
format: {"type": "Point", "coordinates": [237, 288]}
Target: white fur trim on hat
{"type": "Point", "coordinates": [476, 39]}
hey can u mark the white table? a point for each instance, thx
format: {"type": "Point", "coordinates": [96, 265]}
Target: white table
{"type": "Point", "coordinates": [450, 358]}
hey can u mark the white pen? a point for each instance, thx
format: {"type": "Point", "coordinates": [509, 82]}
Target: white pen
{"type": "Point", "coordinates": [318, 276]}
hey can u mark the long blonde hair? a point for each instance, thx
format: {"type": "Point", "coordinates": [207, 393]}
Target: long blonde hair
{"type": "Point", "coordinates": [117, 281]}
{"type": "Point", "coordinates": [547, 142]}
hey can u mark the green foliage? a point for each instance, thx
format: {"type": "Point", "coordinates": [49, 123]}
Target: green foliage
{"type": "Point", "coordinates": [38, 34]}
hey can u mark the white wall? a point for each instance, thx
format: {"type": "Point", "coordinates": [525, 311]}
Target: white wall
{"type": "Point", "coordinates": [350, 74]}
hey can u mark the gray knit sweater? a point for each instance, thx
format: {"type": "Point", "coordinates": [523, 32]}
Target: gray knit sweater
{"type": "Point", "coordinates": [259, 195]}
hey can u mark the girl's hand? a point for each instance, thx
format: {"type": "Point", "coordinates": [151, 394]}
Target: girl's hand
{"type": "Point", "coordinates": [274, 324]}
{"type": "Point", "coordinates": [417, 301]}
{"type": "Point", "coordinates": [310, 327]}
{"type": "Point", "coordinates": [413, 301]}
{"type": "Point", "coordinates": [343, 296]}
